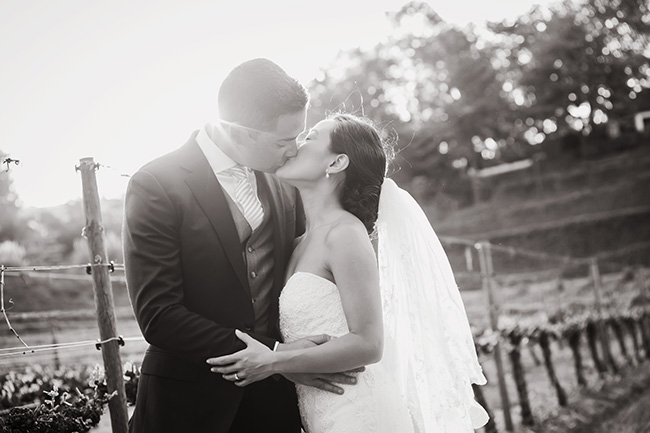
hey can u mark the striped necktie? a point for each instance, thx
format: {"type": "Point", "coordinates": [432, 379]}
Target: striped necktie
{"type": "Point", "coordinates": [246, 197]}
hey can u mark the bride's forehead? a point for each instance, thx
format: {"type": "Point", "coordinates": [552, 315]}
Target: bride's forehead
{"type": "Point", "coordinates": [325, 126]}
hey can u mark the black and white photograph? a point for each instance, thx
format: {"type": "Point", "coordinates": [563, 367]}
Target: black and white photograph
{"type": "Point", "coordinates": [288, 216]}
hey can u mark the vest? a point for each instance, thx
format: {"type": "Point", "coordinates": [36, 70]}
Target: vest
{"type": "Point", "coordinates": [257, 252]}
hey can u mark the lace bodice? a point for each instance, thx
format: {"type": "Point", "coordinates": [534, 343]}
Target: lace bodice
{"type": "Point", "coordinates": [311, 305]}
{"type": "Point", "coordinates": [429, 361]}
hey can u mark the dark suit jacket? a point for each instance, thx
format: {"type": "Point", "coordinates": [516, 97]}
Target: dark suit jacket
{"type": "Point", "coordinates": [188, 286]}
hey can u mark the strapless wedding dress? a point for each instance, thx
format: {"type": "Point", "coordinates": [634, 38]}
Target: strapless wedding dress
{"type": "Point", "coordinates": [310, 305]}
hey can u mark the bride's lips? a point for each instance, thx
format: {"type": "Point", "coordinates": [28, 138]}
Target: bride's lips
{"type": "Point", "coordinates": [286, 161]}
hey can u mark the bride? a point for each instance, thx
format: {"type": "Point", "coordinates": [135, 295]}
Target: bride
{"type": "Point", "coordinates": [397, 312]}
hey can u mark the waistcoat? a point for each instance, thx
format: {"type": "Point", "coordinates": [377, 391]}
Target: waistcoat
{"type": "Point", "coordinates": [257, 253]}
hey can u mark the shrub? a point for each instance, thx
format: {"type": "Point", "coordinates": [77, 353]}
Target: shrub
{"type": "Point", "coordinates": [12, 253]}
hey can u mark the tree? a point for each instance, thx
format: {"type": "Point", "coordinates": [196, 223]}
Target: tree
{"type": "Point", "coordinates": [433, 86]}
{"type": "Point", "coordinates": [58, 231]}
{"type": "Point", "coordinates": [458, 90]}
{"type": "Point", "coordinates": [575, 67]}
{"type": "Point", "coordinates": [462, 99]}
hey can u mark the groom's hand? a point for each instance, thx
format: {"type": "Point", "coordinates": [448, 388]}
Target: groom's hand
{"type": "Point", "coordinates": [326, 382]}
{"type": "Point", "coordinates": [304, 343]}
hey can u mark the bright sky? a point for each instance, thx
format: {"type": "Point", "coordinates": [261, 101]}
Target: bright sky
{"type": "Point", "coordinates": [125, 81]}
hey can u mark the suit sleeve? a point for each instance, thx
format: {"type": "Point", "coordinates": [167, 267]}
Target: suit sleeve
{"type": "Point", "coordinates": [154, 278]}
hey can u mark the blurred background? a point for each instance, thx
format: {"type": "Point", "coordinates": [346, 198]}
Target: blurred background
{"type": "Point", "coordinates": [521, 124]}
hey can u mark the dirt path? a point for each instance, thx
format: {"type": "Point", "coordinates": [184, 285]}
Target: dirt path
{"type": "Point", "coordinates": [634, 418]}
{"type": "Point", "coordinates": [621, 406]}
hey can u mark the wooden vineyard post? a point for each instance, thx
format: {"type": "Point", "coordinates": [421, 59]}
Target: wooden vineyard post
{"type": "Point", "coordinates": [545, 343]}
{"type": "Point", "coordinates": [602, 328]}
{"type": "Point", "coordinates": [94, 232]}
{"type": "Point", "coordinates": [631, 328]}
{"type": "Point", "coordinates": [572, 334]}
{"type": "Point", "coordinates": [618, 332]}
{"type": "Point", "coordinates": [468, 259]}
{"type": "Point", "coordinates": [487, 271]}
{"type": "Point", "coordinates": [592, 333]}
{"type": "Point", "coordinates": [520, 377]}
{"type": "Point", "coordinates": [57, 360]}
{"type": "Point", "coordinates": [644, 327]}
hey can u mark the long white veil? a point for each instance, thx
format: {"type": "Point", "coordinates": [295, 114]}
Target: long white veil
{"type": "Point", "coordinates": [429, 348]}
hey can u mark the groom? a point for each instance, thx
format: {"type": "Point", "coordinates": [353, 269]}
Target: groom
{"type": "Point", "coordinates": [207, 235]}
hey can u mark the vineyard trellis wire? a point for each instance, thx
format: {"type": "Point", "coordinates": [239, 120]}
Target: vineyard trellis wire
{"type": "Point", "coordinates": [595, 325]}
{"type": "Point", "coordinates": [512, 337]}
{"type": "Point", "coordinates": [7, 269]}
{"type": "Point", "coordinates": [561, 324]}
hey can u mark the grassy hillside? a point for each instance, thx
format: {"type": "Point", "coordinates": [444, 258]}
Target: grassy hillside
{"type": "Point", "coordinates": [43, 292]}
{"type": "Point", "coordinates": [594, 207]}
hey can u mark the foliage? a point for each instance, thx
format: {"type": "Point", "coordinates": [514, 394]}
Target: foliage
{"type": "Point", "coordinates": [463, 99]}
{"type": "Point", "coordinates": [28, 386]}
{"type": "Point", "coordinates": [113, 244]}
{"type": "Point", "coordinates": [12, 253]}
{"type": "Point", "coordinates": [67, 400]}
{"type": "Point", "coordinates": [559, 326]}
{"type": "Point", "coordinates": [433, 87]}
{"type": "Point", "coordinates": [20, 388]}
{"type": "Point", "coordinates": [558, 80]}
{"type": "Point", "coordinates": [576, 66]}
{"type": "Point", "coordinates": [63, 400]}
{"type": "Point", "coordinates": [60, 412]}
{"type": "Point", "coordinates": [55, 233]}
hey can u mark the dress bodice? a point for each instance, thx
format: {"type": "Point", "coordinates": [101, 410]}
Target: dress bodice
{"type": "Point", "coordinates": [311, 305]}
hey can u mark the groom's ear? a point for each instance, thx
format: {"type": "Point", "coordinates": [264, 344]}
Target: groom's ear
{"type": "Point", "coordinates": [339, 164]}
{"type": "Point", "coordinates": [241, 135]}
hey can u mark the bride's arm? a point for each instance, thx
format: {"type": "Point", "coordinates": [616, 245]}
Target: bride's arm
{"type": "Point", "coordinates": [351, 259]}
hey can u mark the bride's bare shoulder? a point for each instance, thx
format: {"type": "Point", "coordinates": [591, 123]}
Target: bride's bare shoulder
{"type": "Point", "coordinates": [347, 248]}
{"type": "Point", "coordinates": [347, 230]}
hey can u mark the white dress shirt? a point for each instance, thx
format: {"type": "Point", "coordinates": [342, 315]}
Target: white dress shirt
{"type": "Point", "coordinates": [220, 162]}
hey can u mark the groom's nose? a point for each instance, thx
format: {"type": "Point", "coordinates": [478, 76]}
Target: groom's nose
{"type": "Point", "coordinates": [292, 150]}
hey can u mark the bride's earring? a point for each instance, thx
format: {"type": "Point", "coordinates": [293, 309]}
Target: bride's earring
{"type": "Point", "coordinates": [327, 170]}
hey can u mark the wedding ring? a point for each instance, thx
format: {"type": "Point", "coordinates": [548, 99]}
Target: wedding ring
{"type": "Point", "coordinates": [237, 377]}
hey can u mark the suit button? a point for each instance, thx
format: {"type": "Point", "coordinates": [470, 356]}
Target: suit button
{"type": "Point", "coordinates": [253, 274]}
{"type": "Point", "coordinates": [250, 249]}
{"type": "Point", "coordinates": [248, 326]}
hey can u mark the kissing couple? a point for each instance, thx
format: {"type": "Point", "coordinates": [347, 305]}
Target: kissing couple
{"type": "Point", "coordinates": [283, 283]}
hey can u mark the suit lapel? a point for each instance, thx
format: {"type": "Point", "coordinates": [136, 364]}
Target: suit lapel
{"type": "Point", "coordinates": [210, 196]}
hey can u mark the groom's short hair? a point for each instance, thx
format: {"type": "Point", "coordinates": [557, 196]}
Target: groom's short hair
{"type": "Point", "coordinates": [257, 92]}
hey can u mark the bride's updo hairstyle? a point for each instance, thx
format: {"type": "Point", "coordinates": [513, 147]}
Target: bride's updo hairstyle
{"type": "Point", "coordinates": [360, 141]}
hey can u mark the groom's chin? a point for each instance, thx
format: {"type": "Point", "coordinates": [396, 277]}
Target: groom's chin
{"type": "Point", "coordinates": [280, 175]}
{"type": "Point", "coordinates": [269, 169]}
{"type": "Point", "coordinates": [279, 169]}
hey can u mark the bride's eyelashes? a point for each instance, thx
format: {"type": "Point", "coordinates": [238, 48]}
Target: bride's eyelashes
{"type": "Point", "coordinates": [303, 138]}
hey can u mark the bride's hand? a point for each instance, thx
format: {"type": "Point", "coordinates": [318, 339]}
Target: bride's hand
{"type": "Point", "coordinates": [246, 366]}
